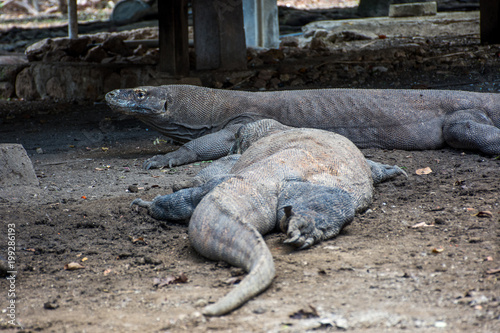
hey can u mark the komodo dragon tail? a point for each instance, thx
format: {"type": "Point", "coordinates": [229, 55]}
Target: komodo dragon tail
{"type": "Point", "coordinates": [239, 244]}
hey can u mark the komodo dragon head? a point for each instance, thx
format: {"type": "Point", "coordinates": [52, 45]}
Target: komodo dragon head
{"type": "Point", "coordinates": [160, 108]}
{"type": "Point", "coordinates": [138, 102]}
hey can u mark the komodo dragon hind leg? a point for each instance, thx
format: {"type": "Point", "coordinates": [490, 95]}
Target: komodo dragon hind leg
{"type": "Point", "coordinates": [208, 147]}
{"type": "Point", "coordinates": [382, 172]}
{"type": "Point", "coordinates": [472, 130]}
{"type": "Point", "coordinates": [181, 204]}
{"type": "Point", "coordinates": [310, 213]}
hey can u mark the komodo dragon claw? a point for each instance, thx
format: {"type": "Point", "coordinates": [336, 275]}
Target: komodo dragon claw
{"type": "Point", "coordinates": [300, 241]}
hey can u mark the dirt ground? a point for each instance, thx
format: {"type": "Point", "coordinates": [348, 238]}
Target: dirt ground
{"type": "Point", "coordinates": [424, 258]}
{"type": "Point", "coordinates": [380, 274]}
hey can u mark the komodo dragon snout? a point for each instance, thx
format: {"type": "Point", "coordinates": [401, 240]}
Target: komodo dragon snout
{"type": "Point", "coordinates": [308, 182]}
{"type": "Point", "coordinates": [140, 102]}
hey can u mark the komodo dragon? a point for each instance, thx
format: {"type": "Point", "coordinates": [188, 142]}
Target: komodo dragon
{"type": "Point", "coordinates": [392, 119]}
{"type": "Point", "coordinates": [308, 182]}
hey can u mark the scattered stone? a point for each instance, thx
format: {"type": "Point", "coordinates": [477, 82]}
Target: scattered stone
{"type": "Point", "coordinates": [341, 323]}
{"type": "Point", "coordinates": [320, 33]}
{"type": "Point", "coordinates": [318, 44]}
{"type": "Point", "coordinates": [6, 90]}
{"type": "Point", "coordinates": [201, 303]}
{"type": "Point", "coordinates": [36, 51]}
{"type": "Point", "coordinates": [8, 72]}
{"type": "Point", "coordinates": [265, 75]}
{"type": "Point", "coordinates": [289, 41]}
{"type": "Point", "coordinates": [152, 261]}
{"type": "Point", "coordinates": [133, 189]}
{"type": "Point", "coordinates": [25, 87]}
{"type": "Point", "coordinates": [15, 166]}
{"type": "Point", "coordinates": [96, 54]}
{"type": "Point", "coordinates": [117, 46]}
{"type": "Point", "coordinates": [259, 310]}
{"type": "Point", "coordinates": [76, 47]}
{"type": "Point", "coordinates": [272, 56]}
{"type": "Point", "coordinates": [275, 82]}
{"type": "Point", "coordinates": [260, 84]}
{"type": "Point", "coordinates": [54, 88]}
{"type": "Point", "coordinates": [50, 305]}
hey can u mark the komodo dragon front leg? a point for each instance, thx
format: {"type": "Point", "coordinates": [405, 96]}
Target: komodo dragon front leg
{"type": "Point", "coordinates": [208, 147]}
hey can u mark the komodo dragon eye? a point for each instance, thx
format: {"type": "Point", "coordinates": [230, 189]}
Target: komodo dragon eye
{"type": "Point", "coordinates": [140, 94]}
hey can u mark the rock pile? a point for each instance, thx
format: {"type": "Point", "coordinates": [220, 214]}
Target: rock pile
{"type": "Point", "coordinates": [98, 48]}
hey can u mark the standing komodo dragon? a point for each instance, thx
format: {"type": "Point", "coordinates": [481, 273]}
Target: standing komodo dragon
{"type": "Point", "coordinates": [393, 119]}
{"type": "Point", "coordinates": [308, 182]}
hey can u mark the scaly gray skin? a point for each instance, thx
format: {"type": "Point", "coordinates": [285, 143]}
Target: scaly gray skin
{"type": "Point", "coordinates": [207, 119]}
{"type": "Point", "coordinates": [308, 182]}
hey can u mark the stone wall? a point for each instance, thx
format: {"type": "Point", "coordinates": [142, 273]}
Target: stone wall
{"type": "Point", "coordinates": [85, 68]}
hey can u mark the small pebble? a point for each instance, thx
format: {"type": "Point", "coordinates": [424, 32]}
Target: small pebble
{"type": "Point", "coordinates": [259, 311]}
{"type": "Point", "coordinates": [133, 189]}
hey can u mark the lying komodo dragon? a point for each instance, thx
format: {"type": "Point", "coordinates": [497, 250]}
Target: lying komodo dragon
{"type": "Point", "coordinates": [308, 182]}
{"type": "Point", "coordinates": [393, 119]}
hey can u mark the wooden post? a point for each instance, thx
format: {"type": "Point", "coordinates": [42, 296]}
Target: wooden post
{"type": "Point", "coordinates": [219, 34]}
{"type": "Point", "coordinates": [233, 49]}
{"type": "Point", "coordinates": [173, 37]}
{"type": "Point", "coordinates": [490, 21]}
{"type": "Point", "coordinates": [206, 35]}
{"type": "Point", "coordinates": [72, 20]}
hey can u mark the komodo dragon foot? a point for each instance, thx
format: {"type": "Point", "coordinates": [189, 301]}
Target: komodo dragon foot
{"type": "Point", "coordinates": [316, 217]}
{"type": "Point", "coordinates": [382, 172]}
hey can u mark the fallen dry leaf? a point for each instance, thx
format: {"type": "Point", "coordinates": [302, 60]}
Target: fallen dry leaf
{"type": "Point", "coordinates": [234, 280]}
{"type": "Point", "coordinates": [423, 171]}
{"type": "Point", "coordinates": [437, 249]}
{"type": "Point", "coordinates": [139, 239]}
{"type": "Point", "coordinates": [493, 271]}
{"type": "Point", "coordinates": [485, 213]}
{"type": "Point", "coordinates": [73, 266]}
